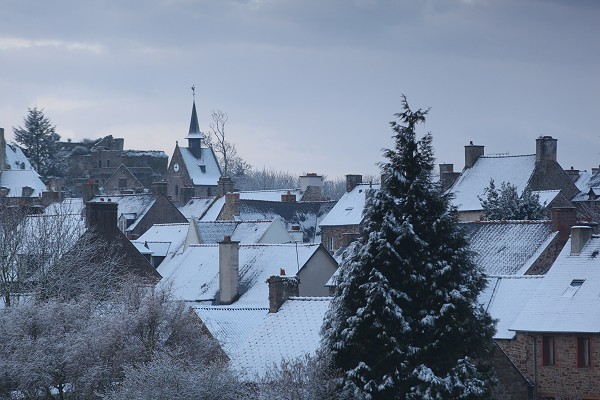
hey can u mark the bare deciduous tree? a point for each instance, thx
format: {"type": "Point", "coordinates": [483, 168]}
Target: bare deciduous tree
{"type": "Point", "coordinates": [231, 163]}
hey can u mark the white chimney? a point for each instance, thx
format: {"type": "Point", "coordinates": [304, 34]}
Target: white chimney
{"type": "Point", "coordinates": [296, 234]}
{"type": "Point", "coordinates": [229, 271]}
{"type": "Point", "coordinates": [579, 237]}
{"type": "Point", "coordinates": [310, 179]}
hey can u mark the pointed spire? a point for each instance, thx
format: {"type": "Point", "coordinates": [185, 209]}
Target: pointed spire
{"type": "Point", "coordinates": [194, 132]}
{"type": "Point", "coordinates": [194, 126]}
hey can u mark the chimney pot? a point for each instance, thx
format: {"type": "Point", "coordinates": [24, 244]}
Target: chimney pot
{"type": "Point", "coordinates": [281, 271]}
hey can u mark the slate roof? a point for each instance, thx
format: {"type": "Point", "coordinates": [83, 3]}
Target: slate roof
{"type": "Point", "coordinates": [208, 160]}
{"type": "Point", "coordinates": [194, 131]}
{"type": "Point", "coordinates": [194, 273]}
{"type": "Point", "coordinates": [308, 215]}
{"type": "Point", "coordinates": [507, 247]}
{"type": "Point", "coordinates": [546, 196]}
{"type": "Point", "coordinates": [349, 209]}
{"type": "Point", "coordinates": [196, 207]}
{"type": "Point", "coordinates": [20, 174]}
{"type": "Point", "coordinates": [133, 206]}
{"type": "Point", "coordinates": [472, 182]}
{"type": "Point", "coordinates": [505, 297]}
{"type": "Point", "coordinates": [230, 325]}
{"type": "Point", "coordinates": [239, 231]}
{"type": "Point", "coordinates": [559, 304]}
{"type": "Point", "coordinates": [290, 333]}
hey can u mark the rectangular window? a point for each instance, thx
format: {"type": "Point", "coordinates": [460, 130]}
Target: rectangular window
{"type": "Point", "coordinates": [122, 183]}
{"type": "Point", "coordinates": [548, 350]}
{"type": "Point", "coordinates": [583, 352]}
{"type": "Point", "coordinates": [330, 243]}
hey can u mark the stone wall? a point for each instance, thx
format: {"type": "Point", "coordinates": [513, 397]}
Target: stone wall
{"type": "Point", "coordinates": [334, 237]}
{"type": "Point", "coordinates": [563, 379]}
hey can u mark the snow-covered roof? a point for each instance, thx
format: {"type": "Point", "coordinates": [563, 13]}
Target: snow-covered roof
{"type": "Point", "coordinates": [130, 206]}
{"type": "Point", "coordinates": [196, 207]}
{"type": "Point", "coordinates": [471, 184]}
{"type": "Point", "coordinates": [270, 195]}
{"type": "Point", "coordinates": [290, 333]}
{"type": "Point", "coordinates": [505, 297]}
{"type": "Point", "coordinates": [568, 298]}
{"type": "Point", "coordinates": [508, 247]}
{"type": "Point", "coordinates": [307, 215]}
{"type": "Point", "coordinates": [546, 196]}
{"type": "Point", "coordinates": [60, 220]}
{"type": "Point", "coordinates": [349, 209]}
{"type": "Point", "coordinates": [230, 325]}
{"type": "Point", "coordinates": [20, 174]}
{"type": "Point", "coordinates": [239, 231]}
{"type": "Point", "coordinates": [164, 240]}
{"type": "Point", "coordinates": [214, 210]}
{"type": "Point", "coordinates": [204, 170]}
{"type": "Point", "coordinates": [194, 274]}
{"type": "Point", "coordinates": [583, 182]}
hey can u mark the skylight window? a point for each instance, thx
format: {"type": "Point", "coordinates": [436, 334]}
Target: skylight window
{"type": "Point", "coordinates": [573, 287]}
{"type": "Point", "coordinates": [348, 209]}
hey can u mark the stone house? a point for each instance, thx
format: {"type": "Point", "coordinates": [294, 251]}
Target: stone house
{"type": "Point", "coordinates": [537, 172]}
{"type": "Point", "coordinates": [557, 333]}
{"type": "Point", "coordinates": [20, 184]}
{"type": "Point", "coordinates": [104, 158]}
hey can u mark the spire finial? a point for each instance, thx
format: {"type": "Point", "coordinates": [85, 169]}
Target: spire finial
{"type": "Point", "coordinates": [194, 92]}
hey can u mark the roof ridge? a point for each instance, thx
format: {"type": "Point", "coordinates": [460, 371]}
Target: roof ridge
{"type": "Point", "coordinates": [310, 298]}
{"type": "Point", "coordinates": [507, 156]}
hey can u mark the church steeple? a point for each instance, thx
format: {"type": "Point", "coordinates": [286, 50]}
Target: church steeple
{"type": "Point", "coordinates": [194, 136]}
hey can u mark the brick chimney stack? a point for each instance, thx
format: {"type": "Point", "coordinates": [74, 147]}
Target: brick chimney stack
{"type": "Point", "coordinates": [472, 154]}
{"type": "Point", "coordinates": [229, 271]}
{"type": "Point", "coordinates": [545, 148]}
{"type": "Point", "coordinates": [563, 218]}
{"type": "Point", "coordinates": [281, 288]}
{"type": "Point", "coordinates": [447, 176]}
{"type": "Point", "coordinates": [352, 181]}
{"type": "Point", "coordinates": [102, 217]}
{"type": "Point", "coordinates": [90, 189]}
{"type": "Point", "coordinates": [224, 185]}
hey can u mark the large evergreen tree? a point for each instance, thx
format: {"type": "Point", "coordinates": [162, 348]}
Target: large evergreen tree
{"type": "Point", "coordinates": [405, 322]}
{"type": "Point", "coordinates": [506, 204]}
{"type": "Point", "coordinates": [38, 139]}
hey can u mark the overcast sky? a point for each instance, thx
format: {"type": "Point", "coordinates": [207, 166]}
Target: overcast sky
{"type": "Point", "coordinates": [309, 85]}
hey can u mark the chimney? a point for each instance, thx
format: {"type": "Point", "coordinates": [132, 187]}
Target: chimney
{"type": "Point", "coordinates": [90, 189]}
{"type": "Point", "coordinates": [352, 181]}
{"type": "Point", "coordinates": [594, 171]}
{"type": "Point", "coordinates": [231, 208]}
{"type": "Point", "coordinates": [447, 176]}
{"type": "Point", "coordinates": [563, 218]}
{"type": "Point", "coordinates": [472, 154]}
{"type": "Point", "coordinates": [224, 185]}
{"type": "Point", "coordinates": [229, 271]}
{"type": "Point", "coordinates": [311, 185]}
{"type": "Point", "coordinates": [4, 191]}
{"type": "Point", "coordinates": [49, 197]}
{"type": "Point", "coordinates": [159, 188]}
{"type": "Point", "coordinates": [296, 234]}
{"type": "Point", "coordinates": [288, 197]}
{"type": "Point", "coordinates": [310, 179]}
{"type": "Point", "coordinates": [579, 237]}
{"type": "Point", "coordinates": [102, 216]}
{"type": "Point", "coordinates": [573, 174]}
{"type": "Point", "coordinates": [545, 148]}
{"type": "Point", "coordinates": [281, 288]}
{"type": "Point", "coordinates": [2, 150]}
